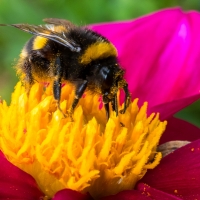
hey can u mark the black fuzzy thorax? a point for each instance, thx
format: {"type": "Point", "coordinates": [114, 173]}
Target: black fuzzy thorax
{"type": "Point", "coordinates": [72, 68]}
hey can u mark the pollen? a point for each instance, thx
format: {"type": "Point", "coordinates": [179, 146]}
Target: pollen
{"type": "Point", "coordinates": [90, 154]}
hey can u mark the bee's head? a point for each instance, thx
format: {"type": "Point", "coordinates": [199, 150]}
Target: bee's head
{"type": "Point", "coordinates": [111, 80]}
{"type": "Point", "coordinates": [106, 78]}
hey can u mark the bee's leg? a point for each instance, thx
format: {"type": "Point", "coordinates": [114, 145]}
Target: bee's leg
{"type": "Point", "coordinates": [57, 93]}
{"type": "Point", "coordinates": [36, 58]}
{"type": "Point", "coordinates": [80, 85]}
{"type": "Point", "coordinates": [106, 105]}
{"type": "Point", "coordinates": [57, 83]}
{"type": "Point", "coordinates": [106, 102]}
{"type": "Point", "coordinates": [28, 79]}
{"type": "Point", "coordinates": [127, 99]}
{"type": "Point", "coordinates": [115, 104]}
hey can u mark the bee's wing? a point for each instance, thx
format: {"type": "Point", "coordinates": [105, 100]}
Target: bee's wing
{"type": "Point", "coordinates": [57, 21]}
{"type": "Point", "coordinates": [45, 31]}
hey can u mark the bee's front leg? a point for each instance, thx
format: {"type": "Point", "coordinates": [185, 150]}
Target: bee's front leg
{"type": "Point", "coordinates": [127, 99]}
{"type": "Point", "coordinates": [114, 104]}
{"type": "Point", "coordinates": [106, 106]}
{"type": "Point", "coordinates": [80, 87]}
{"type": "Point", "coordinates": [57, 82]}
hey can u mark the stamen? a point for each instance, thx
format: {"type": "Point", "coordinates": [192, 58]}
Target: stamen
{"type": "Point", "coordinates": [83, 155]}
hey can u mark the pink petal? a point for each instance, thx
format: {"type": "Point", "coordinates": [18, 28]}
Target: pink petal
{"type": "Point", "coordinates": [15, 184]}
{"type": "Point", "coordinates": [155, 194]}
{"type": "Point", "coordinates": [68, 194]}
{"type": "Point", "coordinates": [128, 195]}
{"type": "Point", "coordinates": [169, 108]}
{"type": "Point", "coordinates": [178, 129]}
{"type": "Point", "coordinates": [161, 55]}
{"type": "Point", "coordinates": [144, 192]}
{"type": "Point", "coordinates": [178, 173]}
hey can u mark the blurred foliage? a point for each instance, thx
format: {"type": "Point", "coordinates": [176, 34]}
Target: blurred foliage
{"type": "Point", "coordinates": [80, 12]}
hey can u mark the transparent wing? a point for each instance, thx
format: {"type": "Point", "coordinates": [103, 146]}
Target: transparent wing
{"type": "Point", "coordinates": [57, 21]}
{"type": "Point", "coordinates": [45, 31]}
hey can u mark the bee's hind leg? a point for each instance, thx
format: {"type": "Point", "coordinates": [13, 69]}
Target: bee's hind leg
{"type": "Point", "coordinates": [26, 76]}
{"type": "Point", "coordinates": [114, 104]}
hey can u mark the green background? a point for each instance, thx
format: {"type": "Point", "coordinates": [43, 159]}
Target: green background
{"type": "Point", "coordinates": [79, 12]}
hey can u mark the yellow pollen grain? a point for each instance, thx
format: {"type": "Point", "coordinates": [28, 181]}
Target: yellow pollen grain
{"type": "Point", "coordinates": [83, 155]}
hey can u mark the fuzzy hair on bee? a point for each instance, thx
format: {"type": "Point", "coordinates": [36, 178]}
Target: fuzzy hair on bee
{"type": "Point", "coordinates": [61, 51]}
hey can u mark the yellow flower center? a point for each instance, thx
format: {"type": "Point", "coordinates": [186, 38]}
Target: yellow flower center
{"type": "Point", "coordinates": [90, 154]}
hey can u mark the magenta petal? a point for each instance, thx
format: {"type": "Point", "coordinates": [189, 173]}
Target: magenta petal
{"type": "Point", "coordinates": [15, 184]}
{"type": "Point", "coordinates": [178, 129]}
{"type": "Point", "coordinates": [178, 173]}
{"type": "Point", "coordinates": [155, 194]}
{"type": "Point", "coordinates": [161, 55]}
{"type": "Point", "coordinates": [68, 194]}
{"type": "Point", "coordinates": [168, 109]}
{"type": "Point", "coordinates": [127, 195]}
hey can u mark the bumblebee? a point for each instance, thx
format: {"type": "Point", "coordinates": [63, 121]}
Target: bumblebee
{"type": "Point", "coordinates": [61, 51]}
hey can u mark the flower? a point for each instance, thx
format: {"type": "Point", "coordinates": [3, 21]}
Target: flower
{"type": "Point", "coordinates": [80, 155]}
{"type": "Point", "coordinates": [176, 177]}
{"type": "Point", "coordinates": [150, 77]}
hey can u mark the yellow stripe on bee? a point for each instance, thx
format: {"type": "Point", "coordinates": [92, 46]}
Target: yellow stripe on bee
{"type": "Point", "coordinates": [98, 50]}
{"type": "Point", "coordinates": [39, 42]}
